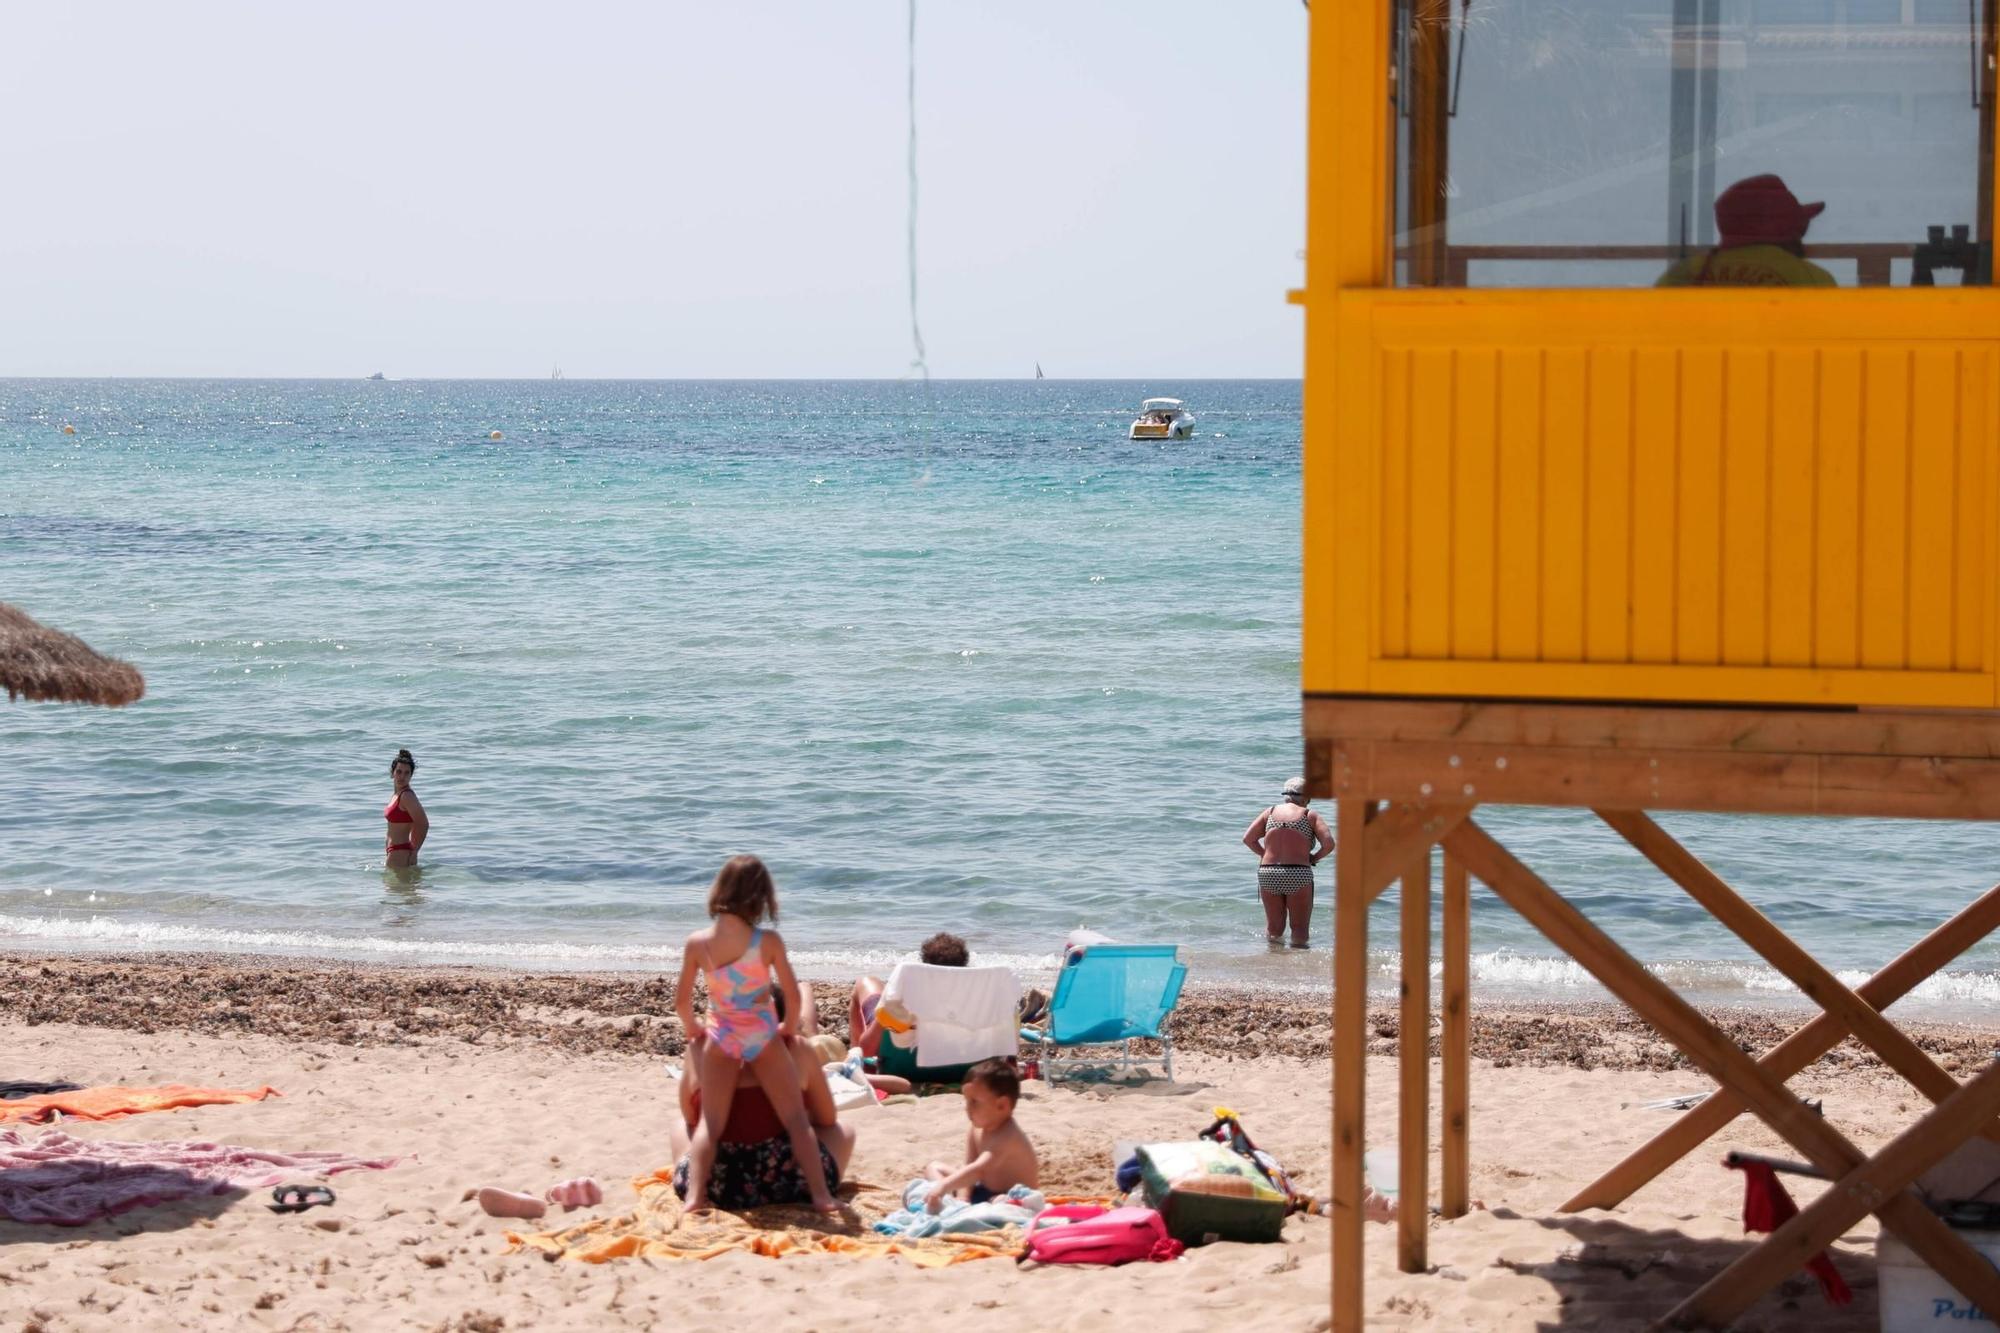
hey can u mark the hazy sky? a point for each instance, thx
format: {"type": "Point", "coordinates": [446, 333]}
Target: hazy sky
{"type": "Point", "coordinates": [1112, 187]}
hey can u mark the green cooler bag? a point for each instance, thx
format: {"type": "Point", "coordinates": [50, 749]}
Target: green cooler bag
{"type": "Point", "coordinates": [1208, 1192]}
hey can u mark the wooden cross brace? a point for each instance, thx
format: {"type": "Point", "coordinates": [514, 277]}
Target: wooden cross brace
{"type": "Point", "coordinates": [1879, 1185]}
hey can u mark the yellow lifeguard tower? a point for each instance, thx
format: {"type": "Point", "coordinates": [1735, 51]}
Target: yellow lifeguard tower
{"type": "Point", "coordinates": [1652, 462]}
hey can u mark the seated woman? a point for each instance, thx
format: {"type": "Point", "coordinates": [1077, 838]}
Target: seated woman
{"type": "Point", "coordinates": [754, 1163]}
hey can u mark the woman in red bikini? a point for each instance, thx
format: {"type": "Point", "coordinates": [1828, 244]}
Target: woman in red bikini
{"type": "Point", "coordinates": [408, 824]}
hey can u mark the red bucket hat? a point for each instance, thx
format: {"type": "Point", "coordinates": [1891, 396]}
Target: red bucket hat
{"type": "Point", "coordinates": [1762, 210]}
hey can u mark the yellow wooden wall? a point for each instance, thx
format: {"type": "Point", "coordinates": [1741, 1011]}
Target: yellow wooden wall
{"type": "Point", "coordinates": [1705, 495]}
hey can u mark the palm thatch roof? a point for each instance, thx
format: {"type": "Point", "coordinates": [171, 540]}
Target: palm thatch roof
{"type": "Point", "coordinates": [37, 662]}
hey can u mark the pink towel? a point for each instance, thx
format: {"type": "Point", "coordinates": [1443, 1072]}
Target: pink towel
{"type": "Point", "coordinates": [53, 1179]}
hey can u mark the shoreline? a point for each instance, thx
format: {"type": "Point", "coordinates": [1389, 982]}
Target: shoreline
{"type": "Point", "coordinates": [399, 1004]}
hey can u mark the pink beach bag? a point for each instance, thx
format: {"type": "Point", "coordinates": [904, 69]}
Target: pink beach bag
{"type": "Point", "coordinates": [1092, 1235]}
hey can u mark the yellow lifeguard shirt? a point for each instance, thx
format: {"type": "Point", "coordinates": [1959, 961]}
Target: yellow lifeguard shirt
{"type": "Point", "coordinates": [1747, 266]}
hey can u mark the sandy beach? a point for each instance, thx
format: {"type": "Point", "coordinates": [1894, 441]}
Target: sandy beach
{"type": "Point", "coordinates": [493, 1078]}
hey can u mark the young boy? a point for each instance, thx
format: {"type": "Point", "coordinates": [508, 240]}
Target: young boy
{"type": "Point", "coordinates": [998, 1155]}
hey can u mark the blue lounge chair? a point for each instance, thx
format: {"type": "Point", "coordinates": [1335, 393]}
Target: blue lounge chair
{"type": "Point", "coordinates": [1113, 994]}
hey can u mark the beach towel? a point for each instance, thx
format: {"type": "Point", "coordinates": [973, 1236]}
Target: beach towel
{"type": "Point", "coordinates": [658, 1229]}
{"type": "Point", "coordinates": [1016, 1208]}
{"type": "Point", "coordinates": [49, 1178]}
{"type": "Point", "coordinates": [963, 1014]}
{"type": "Point", "coordinates": [111, 1103]}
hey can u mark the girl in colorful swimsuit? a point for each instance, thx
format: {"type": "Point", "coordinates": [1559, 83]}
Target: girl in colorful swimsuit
{"type": "Point", "coordinates": [741, 960]}
{"type": "Point", "coordinates": [408, 824]}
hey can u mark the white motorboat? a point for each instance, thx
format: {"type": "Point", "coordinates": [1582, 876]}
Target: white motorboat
{"type": "Point", "coordinates": [1162, 419]}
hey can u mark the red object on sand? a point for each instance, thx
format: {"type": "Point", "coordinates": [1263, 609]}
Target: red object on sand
{"type": "Point", "coordinates": [1767, 1206]}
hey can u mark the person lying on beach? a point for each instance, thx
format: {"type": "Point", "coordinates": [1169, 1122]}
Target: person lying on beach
{"type": "Point", "coordinates": [998, 1155]}
{"type": "Point", "coordinates": [743, 1028]}
{"type": "Point", "coordinates": [754, 1163]}
{"type": "Point", "coordinates": [940, 950]}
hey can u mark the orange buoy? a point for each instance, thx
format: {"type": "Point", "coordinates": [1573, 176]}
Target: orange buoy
{"type": "Point", "coordinates": [496, 435]}
{"type": "Point", "coordinates": [68, 429]}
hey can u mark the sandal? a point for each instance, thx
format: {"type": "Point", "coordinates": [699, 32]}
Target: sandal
{"type": "Point", "coordinates": [298, 1198]}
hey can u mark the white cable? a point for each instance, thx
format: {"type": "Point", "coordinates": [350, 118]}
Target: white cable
{"type": "Point", "coordinates": [920, 364]}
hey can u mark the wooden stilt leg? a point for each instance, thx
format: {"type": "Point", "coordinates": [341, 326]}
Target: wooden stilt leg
{"type": "Point", "coordinates": [1400, 832]}
{"type": "Point", "coordinates": [1413, 1148]}
{"type": "Point", "coordinates": [1808, 1044]}
{"type": "Point", "coordinates": [1350, 1054]}
{"type": "Point", "coordinates": [1698, 1039]}
{"type": "Point", "coordinates": [1455, 1044]}
{"type": "Point", "coordinates": [1860, 1018]}
{"type": "Point", "coordinates": [1914, 1151]}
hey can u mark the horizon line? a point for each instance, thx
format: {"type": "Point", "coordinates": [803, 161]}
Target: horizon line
{"type": "Point", "coordinates": [653, 379]}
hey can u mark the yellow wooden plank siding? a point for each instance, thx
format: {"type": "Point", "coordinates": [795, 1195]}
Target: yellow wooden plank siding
{"type": "Point", "coordinates": [1703, 496]}
{"type": "Point", "coordinates": [1736, 495]}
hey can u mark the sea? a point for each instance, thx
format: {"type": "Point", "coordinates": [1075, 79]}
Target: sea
{"type": "Point", "coordinates": [952, 655]}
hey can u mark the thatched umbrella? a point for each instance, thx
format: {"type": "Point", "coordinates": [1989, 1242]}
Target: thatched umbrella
{"type": "Point", "coordinates": [40, 663]}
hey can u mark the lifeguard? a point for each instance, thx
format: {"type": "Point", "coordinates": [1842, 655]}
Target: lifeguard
{"type": "Point", "coordinates": [1762, 229]}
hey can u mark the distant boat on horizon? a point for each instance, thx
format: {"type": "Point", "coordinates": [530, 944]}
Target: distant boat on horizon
{"type": "Point", "coordinates": [1038, 371]}
{"type": "Point", "coordinates": [556, 373]}
{"type": "Point", "coordinates": [378, 375]}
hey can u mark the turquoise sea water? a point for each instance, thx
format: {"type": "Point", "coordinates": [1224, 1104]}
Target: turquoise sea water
{"type": "Point", "coordinates": [968, 660]}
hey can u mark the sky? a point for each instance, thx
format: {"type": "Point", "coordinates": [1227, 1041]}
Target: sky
{"type": "Point", "coordinates": [663, 190]}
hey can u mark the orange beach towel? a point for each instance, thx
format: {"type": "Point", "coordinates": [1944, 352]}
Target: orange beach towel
{"type": "Point", "coordinates": [658, 1230]}
{"type": "Point", "coordinates": [111, 1103]}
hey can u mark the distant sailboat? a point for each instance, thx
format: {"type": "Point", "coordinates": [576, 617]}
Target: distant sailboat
{"type": "Point", "coordinates": [556, 373]}
{"type": "Point", "coordinates": [1038, 371]}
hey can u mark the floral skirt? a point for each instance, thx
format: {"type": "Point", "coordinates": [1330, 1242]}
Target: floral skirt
{"type": "Point", "coordinates": [750, 1175]}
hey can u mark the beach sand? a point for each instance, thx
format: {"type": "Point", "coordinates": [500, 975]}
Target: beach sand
{"type": "Point", "coordinates": [492, 1078]}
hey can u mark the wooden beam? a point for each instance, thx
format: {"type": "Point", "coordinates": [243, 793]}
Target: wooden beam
{"type": "Point", "coordinates": [1413, 1105]}
{"type": "Point", "coordinates": [1350, 1060]}
{"type": "Point", "coordinates": [1808, 1044]}
{"type": "Point", "coordinates": [1950, 733]}
{"type": "Point", "coordinates": [1698, 1039]}
{"type": "Point", "coordinates": [1917, 1149]}
{"type": "Point", "coordinates": [1428, 101]}
{"type": "Point", "coordinates": [1319, 770]}
{"type": "Point", "coordinates": [1633, 779]}
{"type": "Point", "coordinates": [1860, 1018]}
{"type": "Point", "coordinates": [1401, 832]}
{"type": "Point", "coordinates": [1455, 1044]}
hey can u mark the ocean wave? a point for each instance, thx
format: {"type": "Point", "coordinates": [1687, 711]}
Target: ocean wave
{"type": "Point", "coordinates": [108, 934]}
{"type": "Point", "coordinates": [1555, 976]}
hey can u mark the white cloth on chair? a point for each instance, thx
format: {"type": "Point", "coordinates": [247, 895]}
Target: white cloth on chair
{"type": "Point", "coordinates": [962, 1014]}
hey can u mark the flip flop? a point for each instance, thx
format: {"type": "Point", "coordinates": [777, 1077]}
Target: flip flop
{"type": "Point", "coordinates": [298, 1198]}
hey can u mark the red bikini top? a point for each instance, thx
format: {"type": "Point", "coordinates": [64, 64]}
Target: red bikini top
{"type": "Point", "coordinates": [394, 813]}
